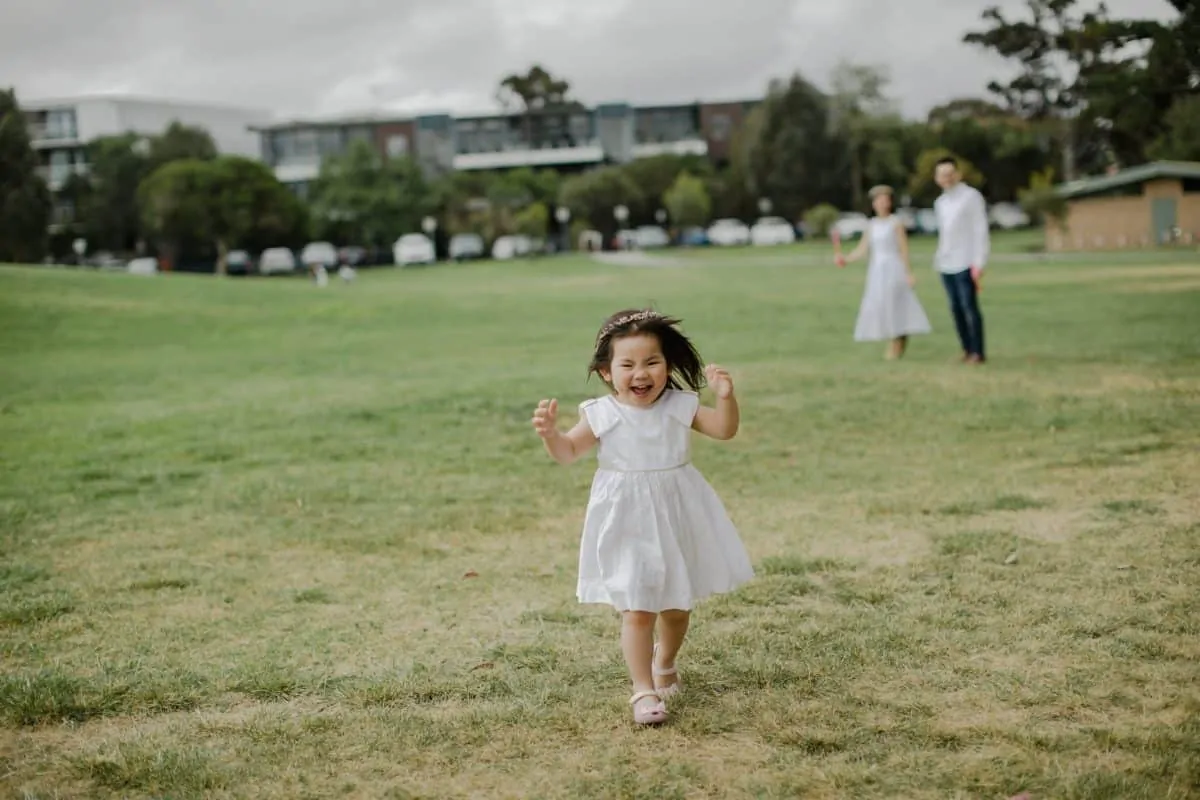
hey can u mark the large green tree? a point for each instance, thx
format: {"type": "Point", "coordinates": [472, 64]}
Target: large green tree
{"type": "Point", "coordinates": [108, 205]}
{"type": "Point", "coordinates": [217, 205]}
{"type": "Point", "coordinates": [1101, 87]}
{"type": "Point", "coordinates": [859, 106]}
{"type": "Point", "coordinates": [543, 99]}
{"type": "Point", "coordinates": [594, 196]}
{"type": "Point", "coordinates": [687, 201]}
{"type": "Point", "coordinates": [797, 161]}
{"type": "Point", "coordinates": [25, 202]}
{"type": "Point", "coordinates": [368, 199]}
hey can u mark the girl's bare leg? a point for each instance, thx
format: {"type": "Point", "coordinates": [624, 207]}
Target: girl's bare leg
{"type": "Point", "coordinates": [672, 628]}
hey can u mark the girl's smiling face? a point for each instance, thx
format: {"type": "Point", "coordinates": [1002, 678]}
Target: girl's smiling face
{"type": "Point", "coordinates": [638, 371]}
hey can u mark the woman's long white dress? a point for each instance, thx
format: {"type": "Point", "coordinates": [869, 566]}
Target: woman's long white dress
{"type": "Point", "coordinates": [656, 536]}
{"type": "Point", "coordinates": [889, 306]}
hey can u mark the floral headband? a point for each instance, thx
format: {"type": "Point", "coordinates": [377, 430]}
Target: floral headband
{"type": "Point", "coordinates": [625, 319]}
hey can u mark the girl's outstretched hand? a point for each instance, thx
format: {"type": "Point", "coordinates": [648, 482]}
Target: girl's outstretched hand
{"type": "Point", "coordinates": [719, 380]}
{"type": "Point", "coordinates": [545, 418]}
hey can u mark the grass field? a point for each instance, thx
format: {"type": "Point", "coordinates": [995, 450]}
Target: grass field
{"type": "Point", "coordinates": [261, 540]}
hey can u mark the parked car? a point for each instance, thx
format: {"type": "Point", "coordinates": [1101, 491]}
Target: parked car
{"type": "Point", "coordinates": [276, 261]}
{"type": "Point", "coordinates": [508, 247]}
{"type": "Point", "coordinates": [851, 225]}
{"type": "Point", "coordinates": [142, 266]}
{"type": "Point", "coordinates": [927, 220]}
{"type": "Point", "coordinates": [771, 231]}
{"type": "Point", "coordinates": [322, 253]}
{"type": "Point", "coordinates": [694, 236]}
{"type": "Point", "coordinates": [466, 245]}
{"type": "Point", "coordinates": [729, 233]}
{"type": "Point", "coordinates": [652, 236]}
{"type": "Point", "coordinates": [1008, 216]}
{"type": "Point", "coordinates": [907, 217]}
{"type": "Point", "coordinates": [414, 248]}
{"type": "Point", "coordinates": [238, 262]}
{"type": "Point", "coordinates": [626, 239]}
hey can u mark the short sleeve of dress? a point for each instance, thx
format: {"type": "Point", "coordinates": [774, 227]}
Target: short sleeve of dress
{"type": "Point", "coordinates": [600, 416]}
{"type": "Point", "coordinates": [683, 406]}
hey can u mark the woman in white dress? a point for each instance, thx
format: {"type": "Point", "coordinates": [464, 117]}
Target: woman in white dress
{"type": "Point", "coordinates": [890, 309]}
{"type": "Point", "coordinates": [656, 537]}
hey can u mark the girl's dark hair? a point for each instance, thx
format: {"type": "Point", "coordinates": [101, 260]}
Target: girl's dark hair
{"type": "Point", "coordinates": [684, 365]}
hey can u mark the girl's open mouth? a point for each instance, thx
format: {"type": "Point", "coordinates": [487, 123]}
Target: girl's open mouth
{"type": "Point", "coordinates": [641, 391]}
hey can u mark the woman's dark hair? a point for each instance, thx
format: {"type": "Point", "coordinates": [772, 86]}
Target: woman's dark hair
{"type": "Point", "coordinates": [684, 365]}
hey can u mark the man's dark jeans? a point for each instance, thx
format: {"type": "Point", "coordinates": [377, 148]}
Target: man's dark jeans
{"type": "Point", "coordinates": [964, 306]}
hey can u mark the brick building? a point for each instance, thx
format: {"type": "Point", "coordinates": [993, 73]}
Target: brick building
{"type": "Point", "coordinates": [1152, 204]}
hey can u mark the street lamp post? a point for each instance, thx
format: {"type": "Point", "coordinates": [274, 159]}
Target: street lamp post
{"type": "Point", "coordinates": [621, 214]}
{"type": "Point", "coordinates": [661, 216]}
{"type": "Point", "coordinates": [764, 206]}
{"type": "Point", "coordinates": [430, 226]}
{"type": "Point", "coordinates": [563, 215]}
{"type": "Point", "coordinates": [80, 247]}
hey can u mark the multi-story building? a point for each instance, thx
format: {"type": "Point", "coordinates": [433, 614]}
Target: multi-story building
{"type": "Point", "coordinates": [566, 138]}
{"type": "Point", "coordinates": [60, 129]}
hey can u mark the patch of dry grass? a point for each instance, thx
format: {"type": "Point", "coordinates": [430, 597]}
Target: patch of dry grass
{"type": "Point", "coordinates": [308, 547]}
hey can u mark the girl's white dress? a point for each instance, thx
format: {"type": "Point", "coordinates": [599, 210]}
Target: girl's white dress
{"type": "Point", "coordinates": [656, 536]}
{"type": "Point", "coordinates": [889, 306]}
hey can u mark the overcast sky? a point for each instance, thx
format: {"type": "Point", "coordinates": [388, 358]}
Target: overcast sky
{"type": "Point", "coordinates": [296, 58]}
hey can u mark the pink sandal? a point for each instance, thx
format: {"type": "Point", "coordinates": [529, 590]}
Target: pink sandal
{"type": "Point", "coordinates": [665, 691]}
{"type": "Point", "coordinates": [654, 715]}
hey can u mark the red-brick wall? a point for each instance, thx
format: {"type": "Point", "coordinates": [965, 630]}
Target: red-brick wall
{"type": "Point", "coordinates": [386, 130]}
{"type": "Point", "coordinates": [710, 126]}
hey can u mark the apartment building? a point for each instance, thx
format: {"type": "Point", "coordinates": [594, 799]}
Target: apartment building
{"type": "Point", "coordinates": [61, 128]}
{"type": "Point", "coordinates": [566, 138]}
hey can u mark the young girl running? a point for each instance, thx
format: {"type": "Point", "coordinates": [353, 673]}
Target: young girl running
{"type": "Point", "coordinates": [656, 538]}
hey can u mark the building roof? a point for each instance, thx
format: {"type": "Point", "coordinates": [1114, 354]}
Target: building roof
{"type": "Point", "coordinates": [1140, 174]}
{"type": "Point", "coordinates": [46, 103]}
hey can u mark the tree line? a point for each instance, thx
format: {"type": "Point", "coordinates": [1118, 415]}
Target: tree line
{"type": "Point", "coordinates": [1090, 93]}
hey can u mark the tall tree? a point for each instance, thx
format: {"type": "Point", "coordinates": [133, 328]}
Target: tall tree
{"type": "Point", "coordinates": [218, 205]}
{"type": "Point", "coordinates": [179, 142]}
{"type": "Point", "coordinates": [1043, 90]}
{"type": "Point", "coordinates": [595, 195]}
{"type": "Point", "coordinates": [117, 166]}
{"type": "Point", "coordinates": [859, 99]}
{"type": "Point", "coordinates": [1180, 141]}
{"type": "Point", "coordinates": [797, 161]}
{"type": "Point", "coordinates": [373, 200]}
{"type": "Point", "coordinates": [687, 201]}
{"type": "Point", "coordinates": [25, 202]}
{"type": "Point", "coordinates": [540, 96]}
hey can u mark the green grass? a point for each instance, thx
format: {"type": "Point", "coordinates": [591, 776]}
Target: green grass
{"type": "Point", "coordinates": [260, 540]}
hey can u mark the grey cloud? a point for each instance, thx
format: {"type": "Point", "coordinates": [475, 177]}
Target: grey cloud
{"type": "Point", "coordinates": [310, 57]}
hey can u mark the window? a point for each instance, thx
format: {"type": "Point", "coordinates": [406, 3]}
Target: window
{"type": "Point", "coordinates": [720, 126]}
{"type": "Point", "coordinates": [299, 144]}
{"type": "Point", "coordinates": [60, 123]}
{"type": "Point", "coordinates": [329, 142]}
{"type": "Point", "coordinates": [666, 125]}
{"type": "Point", "coordinates": [397, 145]}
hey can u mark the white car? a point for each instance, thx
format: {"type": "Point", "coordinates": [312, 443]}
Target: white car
{"type": "Point", "coordinates": [908, 218]}
{"type": "Point", "coordinates": [729, 233]}
{"type": "Point", "coordinates": [322, 253]}
{"type": "Point", "coordinates": [143, 266]}
{"type": "Point", "coordinates": [771, 231]}
{"type": "Point", "coordinates": [413, 248]}
{"type": "Point", "coordinates": [851, 225]}
{"type": "Point", "coordinates": [508, 247]}
{"type": "Point", "coordinates": [1008, 216]}
{"type": "Point", "coordinates": [927, 220]}
{"type": "Point", "coordinates": [276, 260]}
{"type": "Point", "coordinates": [649, 237]}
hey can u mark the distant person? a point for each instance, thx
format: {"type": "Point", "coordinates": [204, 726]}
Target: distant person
{"type": "Point", "coordinates": [656, 538]}
{"type": "Point", "coordinates": [962, 253]}
{"type": "Point", "coordinates": [890, 310]}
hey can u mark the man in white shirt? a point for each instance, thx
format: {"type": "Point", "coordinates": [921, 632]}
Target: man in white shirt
{"type": "Point", "coordinates": [962, 253]}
